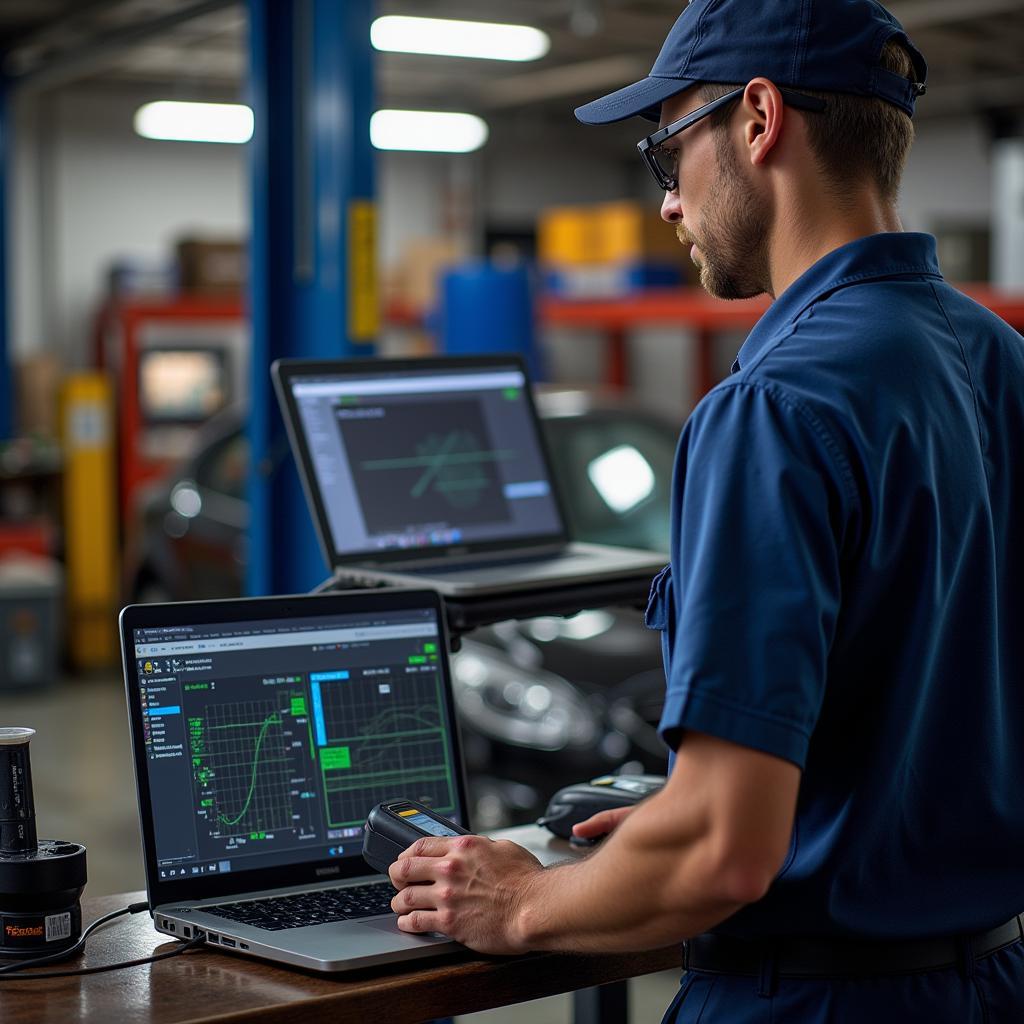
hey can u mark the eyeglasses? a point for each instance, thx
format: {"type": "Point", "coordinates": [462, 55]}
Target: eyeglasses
{"type": "Point", "coordinates": [664, 163]}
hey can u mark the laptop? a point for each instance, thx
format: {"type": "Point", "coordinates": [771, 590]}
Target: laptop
{"type": "Point", "coordinates": [263, 731]}
{"type": "Point", "coordinates": [434, 472]}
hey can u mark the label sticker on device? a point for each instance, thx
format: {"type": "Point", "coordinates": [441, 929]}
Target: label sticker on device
{"type": "Point", "coordinates": [58, 926]}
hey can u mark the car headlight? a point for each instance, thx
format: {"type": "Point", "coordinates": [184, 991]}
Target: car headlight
{"type": "Point", "coordinates": [186, 499]}
{"type": "Point", "coordinates": [527, 709]}
{"type": "Point", "coordinates": [585, 625]}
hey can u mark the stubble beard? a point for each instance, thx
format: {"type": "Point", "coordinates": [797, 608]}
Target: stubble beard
{"type": "Point", "coordinates": [734, 230]}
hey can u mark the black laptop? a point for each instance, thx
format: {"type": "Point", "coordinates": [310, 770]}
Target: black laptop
{"type": "Point", "coordinates": [434, 472]}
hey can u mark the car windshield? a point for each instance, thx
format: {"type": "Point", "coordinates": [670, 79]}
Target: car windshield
{"type": "Point", "coordinates": [224, 466]}
{"type": "Point", "coordinates": [615, 471]}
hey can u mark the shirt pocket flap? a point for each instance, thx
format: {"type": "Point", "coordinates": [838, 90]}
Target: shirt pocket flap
{"type": "Point", "coordinates": [656, 615]}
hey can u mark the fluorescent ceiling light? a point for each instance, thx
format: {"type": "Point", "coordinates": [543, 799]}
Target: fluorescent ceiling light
{"type": "Point", "coordinates": [427, 131]}
{"type": "Point", "coordinates": [446, 38]}
{"type": "Point", "coordinates": [623, 477]}
{"type": "Point", "coordinates": [194, 122]}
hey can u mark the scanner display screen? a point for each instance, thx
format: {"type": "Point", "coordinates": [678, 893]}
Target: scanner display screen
{"type": "Point", "coordinates": [426, 824]}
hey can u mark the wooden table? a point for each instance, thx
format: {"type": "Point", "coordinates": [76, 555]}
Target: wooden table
{"type": "Point", "coordinates": [206, 985]}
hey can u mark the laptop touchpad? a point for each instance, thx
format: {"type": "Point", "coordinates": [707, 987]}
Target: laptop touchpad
{"type": "Point", "coordinates": [390, 925]}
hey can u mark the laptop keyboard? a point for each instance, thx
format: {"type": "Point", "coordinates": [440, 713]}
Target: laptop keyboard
{"type": "Point", "coordinates": [308, 908]}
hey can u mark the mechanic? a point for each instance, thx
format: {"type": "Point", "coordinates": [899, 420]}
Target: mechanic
{"type": "Point", "coordinates": [841, 837]}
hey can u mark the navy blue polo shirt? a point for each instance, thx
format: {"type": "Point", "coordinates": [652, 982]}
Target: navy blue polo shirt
{"type": "Point", "coordinates": [846, 592]}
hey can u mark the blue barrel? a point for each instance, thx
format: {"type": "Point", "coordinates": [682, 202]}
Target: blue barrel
{"type": "Point", "coordinates": [487, 309]}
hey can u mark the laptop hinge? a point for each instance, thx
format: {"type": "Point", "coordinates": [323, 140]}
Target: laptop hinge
{"type": "Point", "coordinates": [496, 557]}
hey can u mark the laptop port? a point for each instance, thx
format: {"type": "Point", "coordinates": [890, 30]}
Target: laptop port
{"type": "Point", "coordinates": [243, 945]}
{"type": "Point", "coordinates": [186, 931]}
{"type": "Point", "coordinates": [210, 937]}
{"type": "Point", "coordinates": [225, 941]}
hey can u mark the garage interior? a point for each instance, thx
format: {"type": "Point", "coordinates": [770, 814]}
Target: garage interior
{"type": "Point", "coordinates": [144, 298]}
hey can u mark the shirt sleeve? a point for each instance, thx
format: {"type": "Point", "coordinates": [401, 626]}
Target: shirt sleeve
{"type": "Point", "coordinates": [760, 505]}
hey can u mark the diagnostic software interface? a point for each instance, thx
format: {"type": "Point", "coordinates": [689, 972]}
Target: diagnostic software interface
{"type": "Point", "coordinates": [426, 458]}
{"type": "Point", "coordinates": [268, 743]}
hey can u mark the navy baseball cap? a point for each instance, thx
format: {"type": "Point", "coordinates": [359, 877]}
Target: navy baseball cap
{"type": "Point", "coordinates": [826, 45]}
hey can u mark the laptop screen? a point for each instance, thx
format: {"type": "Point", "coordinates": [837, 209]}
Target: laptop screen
{"type": "Point", "coordinates": [411, 458]}
{"type": "Point", "coordinates": [266, 743]}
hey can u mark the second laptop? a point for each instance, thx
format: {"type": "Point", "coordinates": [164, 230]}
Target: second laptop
{"type": "Point", "coordinates": [434, 471]}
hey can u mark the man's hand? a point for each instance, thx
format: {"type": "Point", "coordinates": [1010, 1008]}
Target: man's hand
{"type": "Point", "coordinates": [468, 888]}
{"type": "Point", "coordinates": [687, 857]}
{"type": "Point", "coordinates": [602, 823]}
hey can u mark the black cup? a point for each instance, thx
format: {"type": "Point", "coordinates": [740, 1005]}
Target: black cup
{"type": "Point", "coordinates": [17, 807]}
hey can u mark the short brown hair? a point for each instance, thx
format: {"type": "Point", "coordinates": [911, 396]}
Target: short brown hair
{"type": "Point", "coordinates": [856, 138]}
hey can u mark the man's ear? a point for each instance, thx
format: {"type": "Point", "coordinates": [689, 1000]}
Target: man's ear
{"type": "Point", "coordinates": [764, 112]}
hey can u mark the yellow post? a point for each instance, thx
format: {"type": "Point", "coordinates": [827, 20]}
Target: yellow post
{"type": "Point", "coordinates": [363, 299]}
{"type": "Point", "coordinates": [90, 519]}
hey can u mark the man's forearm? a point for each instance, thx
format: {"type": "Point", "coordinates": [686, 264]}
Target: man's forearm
{"type": "Point", "coordinates": [692, 855]}
{"type": "Point", "coordinates": [646, 887]}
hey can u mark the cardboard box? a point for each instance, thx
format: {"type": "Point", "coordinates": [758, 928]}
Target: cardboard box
{"type": "Point", "coordinates": [38, 381]}
{"type": "Point", "coordinates": [617, 234]}
{"type": "Point", "coordinates": [568, 236]}
{"type": "Point", "coordinates": [209, 266]}
{"type": "Point", "coordinates": [632, 232]}
{"type": "Point", "coordinates": [412, 285]}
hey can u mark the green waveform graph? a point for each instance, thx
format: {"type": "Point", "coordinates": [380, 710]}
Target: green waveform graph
{"type": "Point", "coordinates": [247, 767]}
{"type": "Point", "coordinates": [273, 719]}
{"type": "Point", "coordinates": [396, 750]}
{"type": "Point", "coordinates": [454, 466]}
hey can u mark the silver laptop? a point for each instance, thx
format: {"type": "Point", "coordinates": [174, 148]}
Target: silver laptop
{"type": "Point", "coordinates": [263, 731]}
{"type": "Point", "coordinates": [434, 472]}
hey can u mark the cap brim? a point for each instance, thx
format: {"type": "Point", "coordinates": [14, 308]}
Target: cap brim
{"type": "Point", "coordinates": [641, 99]}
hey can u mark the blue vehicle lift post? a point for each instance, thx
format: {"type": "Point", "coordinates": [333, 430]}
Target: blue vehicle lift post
{"type": "Point", "coordinates": [312, 287]}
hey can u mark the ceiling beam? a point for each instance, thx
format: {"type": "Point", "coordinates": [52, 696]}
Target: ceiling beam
{"type": "Point", "coordinates": [972, 97]}
{"type": "Point", "coordinates": [56, 31]}
{"type": "Point", "coordinates": [217, 63]}
{"type": "Point", "coordinates": [923, 14]}
{"type": "Point", "coordinates": [101, 51]}
{"type": "Point", "coordinates": [955, 54]}
{"type": "Point", "coordinates": [565, 80]}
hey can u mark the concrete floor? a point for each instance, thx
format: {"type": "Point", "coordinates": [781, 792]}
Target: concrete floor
{"type": "Point", "coordinates": [85, 791]}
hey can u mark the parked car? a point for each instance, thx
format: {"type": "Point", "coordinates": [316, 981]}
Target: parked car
{"type": "Point", "coordinates": [543, 702]}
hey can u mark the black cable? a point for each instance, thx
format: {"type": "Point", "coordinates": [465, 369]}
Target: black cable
{"type": "Point", "coordinates": [191, 944]}
{"type": "Point", "coordinates": [12, 971]}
